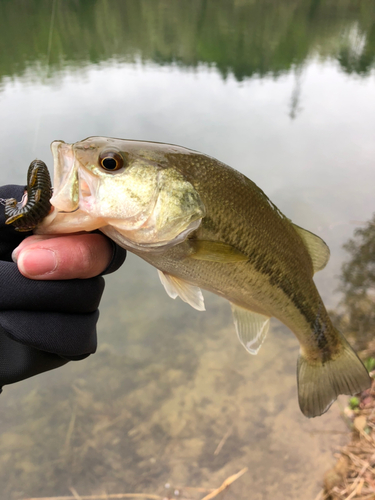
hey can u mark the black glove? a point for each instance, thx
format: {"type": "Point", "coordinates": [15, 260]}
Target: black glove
{"type": "Point", "coordinates": [43, 324]}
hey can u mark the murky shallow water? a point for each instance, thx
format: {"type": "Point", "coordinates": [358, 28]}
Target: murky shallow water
{"type": "Point", "coordinates": [169, 384]}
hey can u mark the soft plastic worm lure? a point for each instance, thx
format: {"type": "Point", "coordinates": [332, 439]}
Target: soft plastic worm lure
{"type": "Point", "coordinates": [26, 214]}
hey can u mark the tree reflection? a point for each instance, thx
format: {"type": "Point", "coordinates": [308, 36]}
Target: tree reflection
{"type": "Point", "coordinates": [242, 37]}
{"type": "Point", "coordinates": [358, 286]}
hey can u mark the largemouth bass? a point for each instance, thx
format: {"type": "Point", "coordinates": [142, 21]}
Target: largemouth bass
{"type": "Point", "coordinates": [204, 225]}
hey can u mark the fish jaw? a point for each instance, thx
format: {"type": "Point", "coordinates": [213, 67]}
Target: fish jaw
{"type": "Point", "coordinates": [72, 199]}
{"type": "Point", "coordinates": [66, 184]}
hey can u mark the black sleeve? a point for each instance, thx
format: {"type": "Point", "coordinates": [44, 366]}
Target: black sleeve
{"type": "Point", "coordinates": [43, 324]}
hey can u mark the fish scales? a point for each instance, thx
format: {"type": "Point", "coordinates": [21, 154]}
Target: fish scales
{"type": "Point", "coordinates": [204, 225]}
{"type": "Point", "coordinates": [244, 198]}
{"type": "Point", "coordinates": [244, 281]}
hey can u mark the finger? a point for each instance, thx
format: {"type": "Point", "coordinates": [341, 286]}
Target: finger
{"type": "Point", "coordinates": [36, 238]}
{"type": "Point", "coordinates": [64, 257]}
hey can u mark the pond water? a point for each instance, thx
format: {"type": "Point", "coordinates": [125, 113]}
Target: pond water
{"type": "Point", "coordinates": [283, 92]}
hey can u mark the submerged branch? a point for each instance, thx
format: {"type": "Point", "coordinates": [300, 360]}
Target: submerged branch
{"type": "Point", "coordinates": [225, 484]}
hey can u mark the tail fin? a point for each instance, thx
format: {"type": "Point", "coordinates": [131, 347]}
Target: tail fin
{"type": "Point", "coordinates": [319, 383]}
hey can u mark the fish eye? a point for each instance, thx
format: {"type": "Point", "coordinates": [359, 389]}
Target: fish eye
{"type": "Point", "coordinates": [111, 160]}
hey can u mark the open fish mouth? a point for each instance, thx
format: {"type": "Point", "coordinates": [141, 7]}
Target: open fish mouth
{"type": "Point", "coordinates": [74, 187]}
{"type": "Point", "coordinates": [65, 197]}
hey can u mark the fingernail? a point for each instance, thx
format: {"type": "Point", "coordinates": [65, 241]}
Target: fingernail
{"type": "Point", "coordinates": [36, 262]}
{"type": "Point", "coordinates": [15, 255]}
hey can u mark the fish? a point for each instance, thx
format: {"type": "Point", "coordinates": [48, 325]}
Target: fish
{"type": "Point", "coordinates": [204, 225]}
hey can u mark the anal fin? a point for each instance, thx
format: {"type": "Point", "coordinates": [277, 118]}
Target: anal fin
{"type": "Point", "coordinates": [176, 287]}
{"type": "Point", "coordinates": [251, 328]}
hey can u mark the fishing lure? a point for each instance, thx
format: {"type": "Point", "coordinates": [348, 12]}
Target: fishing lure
{"type": "Point", "coordinates": [26, 214]}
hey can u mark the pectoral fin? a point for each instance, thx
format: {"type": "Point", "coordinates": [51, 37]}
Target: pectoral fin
{"type": "Point", "coordinates": [317, 248]}
{"type": "Point", "coordinates": [176, 287]}
{"type": "Point", "coordinates": [215, 251]}
{"type": "Point", "coordinates": [251, 328]}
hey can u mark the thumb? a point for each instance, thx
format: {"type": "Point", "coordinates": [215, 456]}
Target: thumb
{"type": "Point", "coordinates": [64, 257]}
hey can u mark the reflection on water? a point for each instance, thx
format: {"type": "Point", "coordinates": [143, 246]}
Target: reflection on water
{"type": "Point", "coordinates": [169, 384]}
{"type": "Point", "coordinates": [240, 37]}
{"type": "Point", "coordinates": [357, 318]}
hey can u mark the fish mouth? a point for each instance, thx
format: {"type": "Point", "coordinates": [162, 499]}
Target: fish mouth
{"type": "Point", "coordinates": [70, 192]}
{"type": "Point", "coordinates": [65, 197]}
{"type": "Point", "coordinates": [74, 186]}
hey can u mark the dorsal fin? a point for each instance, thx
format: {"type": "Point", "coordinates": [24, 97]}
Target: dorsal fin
{"type": "Point", "coordinates": [317, 248]}
{"type": "Point", "coordinates": [251, 328]}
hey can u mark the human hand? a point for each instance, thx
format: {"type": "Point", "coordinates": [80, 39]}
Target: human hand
{"type": "Point", "coordinates": [50, 319]}
{"type": "Point", "coordinates": [44, 257]}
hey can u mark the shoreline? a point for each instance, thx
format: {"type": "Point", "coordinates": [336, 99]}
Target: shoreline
{"type": "Point", "coordinates": [353, 475]}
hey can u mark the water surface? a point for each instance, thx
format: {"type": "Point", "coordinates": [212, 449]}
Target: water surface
{"type": "Point", "coordinates": [284, 93]}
